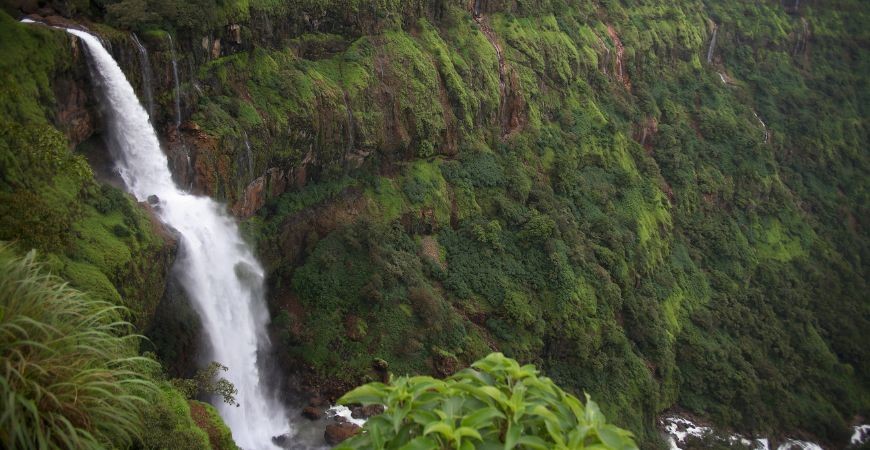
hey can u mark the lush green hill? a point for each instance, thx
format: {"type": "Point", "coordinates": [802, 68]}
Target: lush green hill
{"type": "Point", "coordinates": [572, 183]}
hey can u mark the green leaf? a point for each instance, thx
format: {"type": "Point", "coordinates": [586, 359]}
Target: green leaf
{"type": "Point", "coordinates": [533, 442]}
{"type": "Point", "coordinates": [366, 394]}
{"type": "Point", "coordinates": [614, 437]}
{"type": "Point", "coordinates": [481, 417]}
{"type": "Point", "coordinates": [423, 417]}
{"type": "Point", "coordinates": [440, 428]}
{"type": "Point", "coordinates": [577, 435]}
{"type": "Point", "coordinates": [468, 432]}
{"type": "Point", "coordinates": [512, 436]}
{"type": "Point", "coordinates": [593, 413]}
{"type": "Point", "coordinates": [420, 443]}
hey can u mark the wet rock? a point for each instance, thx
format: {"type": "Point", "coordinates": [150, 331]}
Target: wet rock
{"type": "Point", "coordinates": [282, 441]}
{"type": "Point", "coordinates": [380, 365]}
{"type": "Point", "coordinates": [63, 22]}
{"type": "Point", "coordinates": [153, 200]}
{"type": "Point", "coordinates": [445, 365]}
{"type": "Point", "coordinates": [235, 32]}
{"type": "Point", "coordinates": [216, 48]}
{"type": "Point", "coordinates": [355, 328]}
{"type": "Point", "coordinates": [26, 6]}
{"type": "Point", "coordinates": [74, 111]}
{"type": "Point", "coordinates": [337, 433]}
{"type": "Point", "coordinates": [365, 412]}
{"type": "Point", "coordinates": [190, 126]}
{"type": "Point", "coordinates": [381, 369]}
{"type": "Point", "coordinates": [312, 413]}
{"type": "Point", "coordinates": [317, 401]}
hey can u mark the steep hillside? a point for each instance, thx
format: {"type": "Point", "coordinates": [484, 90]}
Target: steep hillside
{"type": "Point", "coordinates": [660, 203]}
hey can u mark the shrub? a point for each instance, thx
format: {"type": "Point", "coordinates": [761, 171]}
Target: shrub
{"type": "Point", "coordinates": [495, 404]}
{"type": "Point", "coordinates": [69, 375]}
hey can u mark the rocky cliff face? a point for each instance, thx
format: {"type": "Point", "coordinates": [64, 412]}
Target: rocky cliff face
{"type": "Point", "coordinates": [567, 182]}
{"type": "Point", "coordinates": [75, 113]}
{"type": "Point", "coordinates": [87, 231]}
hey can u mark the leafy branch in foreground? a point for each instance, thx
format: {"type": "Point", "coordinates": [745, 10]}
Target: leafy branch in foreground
{"type": "Point", "coordinates": [206, 382]}
{"type": "Point", "coordinates": [70, 377]}
{"type": "Point", "coordinates": [496, 404]}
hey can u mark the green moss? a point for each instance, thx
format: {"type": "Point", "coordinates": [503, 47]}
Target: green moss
{"type": "Point", "coordinates": [776, 243]}
{"type": "Point", "coordinates": [386, 199]}
{"type": "Point", "coordinates": [32, 53]}
{"type": "Point", "coordinates": [425, 188]}
{"type": "Point", "coordinates": [168, 419]}
{"type": "Point", "coordinates": [207, 419]}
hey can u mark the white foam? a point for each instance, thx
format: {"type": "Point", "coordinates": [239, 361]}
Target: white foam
{"type": "Point", "coordinates": [860, 435]}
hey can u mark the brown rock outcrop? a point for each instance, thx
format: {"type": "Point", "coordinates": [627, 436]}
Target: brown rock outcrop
{"type": "Point", "coordinates": [337, 433]}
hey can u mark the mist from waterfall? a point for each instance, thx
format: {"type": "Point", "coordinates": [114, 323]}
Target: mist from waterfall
{"type": "Point", "coordinates": [219, 272]}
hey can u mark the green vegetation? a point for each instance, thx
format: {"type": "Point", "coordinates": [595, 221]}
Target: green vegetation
{"type": "Point", "coordinates": [72, 378]}
{"type": "Point", "coordinates": [635, 230]}
{"type": "Point", "coordinates": [638, 238]}
{"type": "Point", "coordinates": [70, 375]}
{"type": "Point", "coordinates": [495, 404]}
{"type": "Point", "coordinates": [171, 423]}
{"type": "Point", "coordinates": [207, 382]}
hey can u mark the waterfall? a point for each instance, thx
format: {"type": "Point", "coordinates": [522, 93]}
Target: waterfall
{"type": "Point", "coordinates": [145, 67]}
{"type": "Point", "coordinates": [712, 47]}
{"type": "Point", "coordinates": [350, 132]}
{"type": "Point", "coordinates": [250, 155]}
{"type": "Point", "coordinates": [220, 273]}
{"type": "Point", "coordinates": [177, 83]}
{"type": "Point", "coordinates": [763, 126]}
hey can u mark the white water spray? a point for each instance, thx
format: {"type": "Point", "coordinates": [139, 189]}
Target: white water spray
{"type": "Point", "coordinates": [221, 275]}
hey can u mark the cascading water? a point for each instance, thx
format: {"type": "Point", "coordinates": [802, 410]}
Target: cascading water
{"type": "Point", "coordinates": [763, 127]}
{"type": "Point", "coordinates": [221, 275]}
{"type": "Point", "coordinates": [177, 90]}
{"type": "Point", "coordinates": [712, 47]}
{"type": "Point", "coordinates": [145, 66]}
{"type": "Point", "coordinates": [249, 154]}
{"type": "Point", "coordinates": [350, 131]}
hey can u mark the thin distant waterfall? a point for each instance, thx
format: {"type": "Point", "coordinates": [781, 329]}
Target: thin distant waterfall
{"type": "Point", "coordinates": [249, 154]}
{"type": "Point", "coordinates": [350, 130]}
{"type": "Point", "coordinates": [219, 271]}
{"type": "Point", "coordinates": [712, 47]}
{"type": "Point", "coordinates": [763, 127]}
{"type": "Point", "coordinates": [145, 67]}
{"type": "Point", "coordinates": [177, 91]}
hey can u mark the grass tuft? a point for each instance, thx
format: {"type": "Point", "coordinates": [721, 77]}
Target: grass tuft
{"type": "Point", "coordinates": [70, 377]}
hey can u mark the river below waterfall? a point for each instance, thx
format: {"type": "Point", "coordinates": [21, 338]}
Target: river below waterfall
{"type": "Point", "coordinates": [683, 433]}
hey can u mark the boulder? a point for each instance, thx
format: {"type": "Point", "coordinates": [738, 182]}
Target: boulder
{"type": "Point", "coordinates": [337, 433]}
{"type": "Point", "coordinates": [312, 413]}
{"type": "Point", "coordinates": [364, 412]}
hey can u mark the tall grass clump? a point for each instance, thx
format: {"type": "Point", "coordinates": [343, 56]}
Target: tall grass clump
{"type": "Point", "coordinates": [70, 374]}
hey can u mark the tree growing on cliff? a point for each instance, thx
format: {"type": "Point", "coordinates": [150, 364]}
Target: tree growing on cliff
{"type": "Point", "coordinates": [496, 404]}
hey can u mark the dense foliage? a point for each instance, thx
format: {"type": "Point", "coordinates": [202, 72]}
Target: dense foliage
{"type": "Point", "coordinates": [70, 377]}
{"type": "Point", "coordinates": [592, 187]}
{"type": "Point", "coordinates": [650, 234]}
{"type": "Point", "coordinates": [495, 404]}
